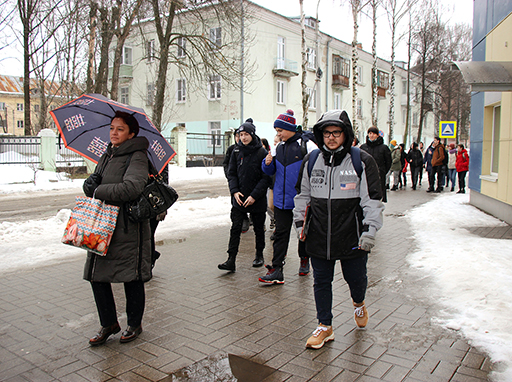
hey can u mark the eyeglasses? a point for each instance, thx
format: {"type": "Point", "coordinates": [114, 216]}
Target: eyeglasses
{"type": "Point", "coordinates": [335, 134]}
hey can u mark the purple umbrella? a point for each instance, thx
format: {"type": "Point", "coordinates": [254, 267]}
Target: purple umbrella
{"type": "Point", "coordinates": [84, 124]}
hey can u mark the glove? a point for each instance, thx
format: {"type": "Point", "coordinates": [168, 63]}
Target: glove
{"type": "Point", "coordinates": [161, 217]}
{"type": "Point", "coordinates": [91, 184]}
{"type": "Point", "coordinates": [366, 242]}
{"type": "Point", "coordinates": [299, 230]}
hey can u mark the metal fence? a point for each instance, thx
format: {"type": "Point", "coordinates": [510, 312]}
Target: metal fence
{"type": "Point", "coordinates": [22, 150]}
{"type": "Point", "coordinates": [202, 150]}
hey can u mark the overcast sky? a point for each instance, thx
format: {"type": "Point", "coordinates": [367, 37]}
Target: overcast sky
{"type": "Point", "coordinates": [335, 19]}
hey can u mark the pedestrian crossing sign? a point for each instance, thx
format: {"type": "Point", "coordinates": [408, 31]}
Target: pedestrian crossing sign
{"type": "Point", "coordinates": [448, 129]}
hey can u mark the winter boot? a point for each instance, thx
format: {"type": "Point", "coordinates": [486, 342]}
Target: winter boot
{"type": "Point", "coordinates": [229, 265]}
{"type": "Point", "coordinates": [258, 260]}
{"type": "Point", "coordinates": [304, 266]}
{"type": "Point", "coordinates": [360, 315]}
{"type": "Point", "coordinates": [273, 276]}
{"type": "Point", "coordinates": [245, 225]}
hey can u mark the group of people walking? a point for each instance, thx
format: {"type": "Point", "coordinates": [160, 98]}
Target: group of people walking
{"type": "Point", "coordinates": [327, 189]}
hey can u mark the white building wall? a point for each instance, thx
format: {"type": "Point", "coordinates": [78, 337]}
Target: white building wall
{"type": "Point", "coordinates": [260, 97]}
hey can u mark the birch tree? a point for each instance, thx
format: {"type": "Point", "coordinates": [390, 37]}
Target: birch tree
{"type": "Point", "coordinates": [305, 96]}
{"type": "Point", "coordinates": [356, 7]}
{"type": "Point", "coordinates": [396, 10]}
{"type": "Point", "coordinates": [374, 5]}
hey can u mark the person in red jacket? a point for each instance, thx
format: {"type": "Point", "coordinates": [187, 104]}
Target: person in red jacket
{"type": "Point", "coordinates": [462, 165]}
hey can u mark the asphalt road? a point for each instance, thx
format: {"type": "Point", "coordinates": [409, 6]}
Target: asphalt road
{"type": "Point", "coordinates": [45, 204]}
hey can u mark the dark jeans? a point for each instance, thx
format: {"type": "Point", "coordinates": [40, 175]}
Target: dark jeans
{"type": "Point", "coordinates": [452, 175]}
{"type": "Point", "coordinates": [354, 273]}
{"type": "Point", "coordinates": [135, 301]}
{"type": "Point", "coordinates": [432, 177]}
{"type": "Point", "coordinates": [462, 180]}
{"type": "Point", "coordinates": [415, 172]}
{"type": "Point", "coordinates": [237, 219]}
{"type": "Point", "coordinates": [284, 220]}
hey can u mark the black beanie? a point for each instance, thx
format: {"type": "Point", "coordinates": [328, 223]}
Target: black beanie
{"type": "Point", "coordinates": [248, 127]}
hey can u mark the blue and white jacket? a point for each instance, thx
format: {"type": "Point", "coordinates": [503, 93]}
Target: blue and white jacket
{"type": "Point", "coordinates": [285, 166]}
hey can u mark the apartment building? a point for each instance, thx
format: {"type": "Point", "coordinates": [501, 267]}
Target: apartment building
{"type": "Point", "coordinates": [274, 53]}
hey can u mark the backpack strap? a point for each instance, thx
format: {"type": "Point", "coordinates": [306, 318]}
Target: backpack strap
{"type": "Point", "coordinates": [355, 155]}
{"type": "Point", "coordinates": [312, 159]}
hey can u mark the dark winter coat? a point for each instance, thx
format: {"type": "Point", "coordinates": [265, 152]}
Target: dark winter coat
{"type": "Point", "coordinates": [286, 165]}
{"type": "Point", "coordinates": [380, 152]}
{"type": "Point", "coordinates": [342, 204]}
{"type": "Point", "coordinates": [227, 157]}
{"type": "Point", "coordinates": [246, 176]}
{"type": "Point", "coordinates": [415, 158]}
{"type": "Point", "coordinates": [427, 158]}
{"type": "Point", "coordinates": [129, 254]}
{"type": "Point", "coordinates": [462, 161]}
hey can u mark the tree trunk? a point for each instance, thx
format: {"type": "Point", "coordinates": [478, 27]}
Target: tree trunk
{"type": "Point", "coordinates": [92, 46]}
{"type": "Point", "coordinates": [164, 40]}
{"type": "Point", "coordinates": [305, 96]}
{"type": "Point", "coordinates": [374, 67]}
{"type": "Point", "coordinates": [107, 34]}
{"type": "Point", "coordinates": [355, 57]}
{"type": "Point", "coordinates": [392, 85]}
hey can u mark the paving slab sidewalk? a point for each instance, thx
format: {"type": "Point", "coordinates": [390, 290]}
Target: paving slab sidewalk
{"type": "Point", "coordinates": [194, 311]}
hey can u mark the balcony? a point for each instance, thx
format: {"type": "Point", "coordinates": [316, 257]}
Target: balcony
{"type": "Point", "coordinates": [285, 68]}
{"type": "Point", "coordinates": [382, 83]}
{"type": "Point", "coordinates": [340, 81]}
{"type": "Point", "coordinates": [125, 71]}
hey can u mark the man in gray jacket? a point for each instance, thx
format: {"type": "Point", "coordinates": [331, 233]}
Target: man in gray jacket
{"type": "Point", "coordinates": [340, 190]}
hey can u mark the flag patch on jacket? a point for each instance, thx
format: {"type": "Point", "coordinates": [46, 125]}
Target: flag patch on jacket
{"type": "Point", "coordinates": [348, 186]}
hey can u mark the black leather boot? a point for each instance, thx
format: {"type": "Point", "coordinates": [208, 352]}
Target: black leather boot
{"type": "Point", "coordinates": [229, 265]}
{"type": "Point", "coordinates": [258, 260]}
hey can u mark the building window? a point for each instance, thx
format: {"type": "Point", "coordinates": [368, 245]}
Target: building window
{"type": "Point", "coordinates": [181, 90]}
{"type": "Point", "coordinates": [150, 50]}
{"type": "Point", "coordinates": [124, 95]}
{"type": "Point", "coordinates": [2, 105]}
{"type": "Point", "coordinates": [404, 116]}
{"type": "Point", "coordinates": [36, 108]}
{"type": "Point", "coordinates": [337, 101]}
{"type": "Point", "coordinates": [280, 53]}
{"type": "Point", "coordinates": [311, 58]}
{"type": "Point", "coordinates": [415, 119]}
{"type": "Point", "coordinates": [20, 124]}
{"type": "Point", "coordinates": [214, 87]}
{"type": "Point", "coordinates": [359, 108]}
{"type": "Point", "coordinates": [214, 131]}
{"type": "Point", "coordinates": [496, 126]}
{"type": "Point", "coordinates": [215, 37]}
{"type": "Point", "coordinates": [280, 92]}
{"type": "Point", "coordinates": [181, 47]}
{"type": "Point", "coordinates": [19, 106]}
{"type": "Point", "coordinates": [150, 96]}
{"type": "Point", "coordinates": [360, 75]}
{"type": "Point", "coordinates": [404, 86]}
{"type": "Point", "coordinates": [126, 57]}
{"type": "Point", "coordinates": [311, 98]}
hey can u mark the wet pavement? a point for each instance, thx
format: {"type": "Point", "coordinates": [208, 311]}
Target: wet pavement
{"type": "Point", "coordinates": [202, 324]}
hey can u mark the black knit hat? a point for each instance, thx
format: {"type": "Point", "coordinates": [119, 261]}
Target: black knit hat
{"type": "Point", "coordinates": [248, 127]}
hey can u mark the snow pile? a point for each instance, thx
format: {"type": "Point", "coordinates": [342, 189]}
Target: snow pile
{"type": "Point", "coordinates": [474, 274]}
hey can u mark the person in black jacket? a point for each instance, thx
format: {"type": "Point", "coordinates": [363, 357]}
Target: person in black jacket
{"type": "Point", "coordinates": [248, 187]}
{"type": "Point", "coordinates": [340, 211]}
{"type": "Point", "coordinates": [380, 152]}
{"type": "Point", "coordinates": [415, 159]}
{"type": "Point", "coordinates": [225, 164]}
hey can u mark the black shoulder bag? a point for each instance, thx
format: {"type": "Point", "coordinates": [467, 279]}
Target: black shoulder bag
{"type": "Point", "coordinates": [156, 198]}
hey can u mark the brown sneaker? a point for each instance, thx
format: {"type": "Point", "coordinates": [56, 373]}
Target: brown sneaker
{"type": "Point", "coordinates": [361, 315]}
{"type": "Point", "coordinates": [321, 335]}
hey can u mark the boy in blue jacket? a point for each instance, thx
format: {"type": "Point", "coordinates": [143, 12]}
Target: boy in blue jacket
{"type": "Point", "coordinates": [285, 166]}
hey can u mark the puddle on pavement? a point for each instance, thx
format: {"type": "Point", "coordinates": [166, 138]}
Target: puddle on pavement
{"type": "Point", "coordinates": [222, 368]}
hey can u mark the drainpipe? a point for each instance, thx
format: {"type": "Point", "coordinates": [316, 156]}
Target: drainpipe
{"type": "Point", "coordinates": [327, 75]}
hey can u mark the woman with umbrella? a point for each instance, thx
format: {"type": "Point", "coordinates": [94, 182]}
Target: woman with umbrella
{"type": "Point", "coordinates": [120, 176]}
